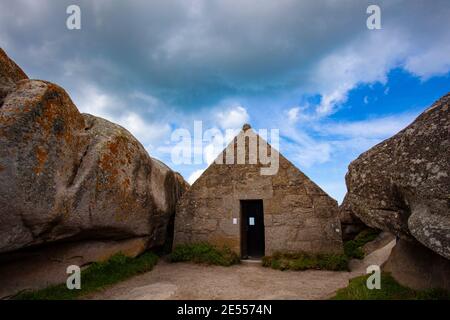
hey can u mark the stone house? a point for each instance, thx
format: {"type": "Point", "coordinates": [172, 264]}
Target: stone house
{"type": "Point", "coordinates": [233, 203]}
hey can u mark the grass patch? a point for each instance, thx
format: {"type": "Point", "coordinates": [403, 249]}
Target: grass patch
{"type": "Point", "coordinates": [334, 262]}
{"type": "Point", "coordinates": [353, 248]}
{"type": "Point", "coordinates": [390, 290]}
{"type": "Point", "coordinates": [96, 276]}
{"type": "Point", "coordinates": [204, 253]}
{"type": "Point", "coordinates": [304, 261]}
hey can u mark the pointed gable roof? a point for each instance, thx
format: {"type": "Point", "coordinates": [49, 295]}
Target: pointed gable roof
{"type": "Point", "coordinates": [230, 157]}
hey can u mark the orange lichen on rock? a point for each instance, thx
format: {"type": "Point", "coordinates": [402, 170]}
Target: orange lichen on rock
{"type": "Point", "coordinates": [41, 156]}
{"type": "Point", "coordinates": [9, 69]}
{"type": "Point", "coordinates": [125, 184]}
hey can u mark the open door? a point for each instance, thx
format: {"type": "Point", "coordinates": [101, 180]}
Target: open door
{"type": "Point", "coordinates": [252, 229]}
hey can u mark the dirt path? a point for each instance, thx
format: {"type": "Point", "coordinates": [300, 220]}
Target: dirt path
{"type": "Point", "coordinates": [244, 281]}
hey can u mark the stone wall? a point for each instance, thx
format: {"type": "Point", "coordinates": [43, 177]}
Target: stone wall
{"type": "Point", "coordinates": [298, 215]}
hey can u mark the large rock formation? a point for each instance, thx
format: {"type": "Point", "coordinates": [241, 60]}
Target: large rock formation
{"type": "Point", "coordinates": [416, 266]}
{"type": "Point", "coordinates": [402, 185]}
{"type": "Point", "coordinates": [67, 176]}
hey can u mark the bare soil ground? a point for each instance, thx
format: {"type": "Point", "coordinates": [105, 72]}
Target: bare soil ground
{"type": "Point", "coordinates": [244, 281]}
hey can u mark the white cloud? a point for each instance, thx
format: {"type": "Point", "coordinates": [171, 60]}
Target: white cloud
{"type": "Point", "coordinates": [372, 128]}
{"type": "Point", "coordinates": [365, 61]}
{"type": "Point", "coordinates": [93, 101]}
{"type": "Point", "coordinates": [233, 118]}
{"type": "Point", "coordinates": [150, 134]}
{"type": "Point", "coordinates": [298, 145]}
{"type": "Point", "coordinates": [312, 154]}
{"type": "Point", "coordinates": [293, 114]}
{"type": "Point", "coordinates": [316, 142]}
{"type": "Point", "coordinates": [434, 61]}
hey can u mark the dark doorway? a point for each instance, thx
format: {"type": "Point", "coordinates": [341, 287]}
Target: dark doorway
{"type": "Point", "coordinates": [252, 229]}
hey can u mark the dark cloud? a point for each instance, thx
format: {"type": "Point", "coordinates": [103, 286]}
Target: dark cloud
{"type": "Point", "coordinates": [191, 53]}
{"type": "Point", "coordinates": [188, 54]}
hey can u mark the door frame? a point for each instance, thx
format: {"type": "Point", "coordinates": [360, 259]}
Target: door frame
{"type": "Point", "coordinates": [244, 231]}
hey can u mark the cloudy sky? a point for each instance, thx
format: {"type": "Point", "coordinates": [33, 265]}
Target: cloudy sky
{"type": "Point", "coordinates": [312, 69]}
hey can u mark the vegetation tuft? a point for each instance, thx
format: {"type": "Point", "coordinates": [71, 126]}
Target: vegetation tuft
{"type": "Point", "coordinates": [204, 253]}
{"type": "Point", "coordinates": [98, 275]}
{"type": "Point", "coordinates": [333, 262]}
{"type": "Point", "coordinates": [390, 290]}
{"type": "Point", "coordinates": [304, 261]}
{"type": "Point", "coordinates": [353, 248]}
